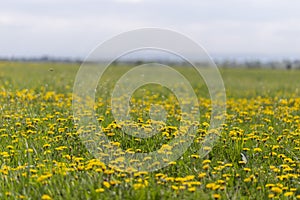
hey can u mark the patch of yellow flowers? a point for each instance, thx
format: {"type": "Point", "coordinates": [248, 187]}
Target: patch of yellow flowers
{"type": "Point", "coordinates": [39, 144]}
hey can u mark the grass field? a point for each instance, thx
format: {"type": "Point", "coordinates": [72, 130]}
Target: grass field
{"type": "Point", "coordinates": [42, 156]}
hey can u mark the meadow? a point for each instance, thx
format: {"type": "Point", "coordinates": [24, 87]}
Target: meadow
{"type": "Point", "coordinates": [42, 156]}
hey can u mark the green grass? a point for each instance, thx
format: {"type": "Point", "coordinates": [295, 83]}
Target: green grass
{"type": "Point", "coordinates": [43, 157]}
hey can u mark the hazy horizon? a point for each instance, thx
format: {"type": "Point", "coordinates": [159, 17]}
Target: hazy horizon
{"type": "Point", "coordinates": [230, 29]}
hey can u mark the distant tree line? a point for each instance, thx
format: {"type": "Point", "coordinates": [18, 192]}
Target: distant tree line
{"type": "Point", "coordinates": [41, 59]}
{"type": "Point", "coordinates": [284, 64]}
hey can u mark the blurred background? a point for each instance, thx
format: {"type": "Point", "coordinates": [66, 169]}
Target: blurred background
{"type": "Point", "coordinates": [234, 32]}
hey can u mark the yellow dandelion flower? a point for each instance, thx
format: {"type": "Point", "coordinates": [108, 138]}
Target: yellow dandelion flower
{"type": "Point", "coordinates": [46, 197]}
{"type": "Point", "coordinates": [106, 184]}
{"type": "Point", "coordinates": [257, 150]}
{"type": "Point", "coordinates": [206, 162]}
{"type": "Point", "coordinates": [247, 169]}
{"type": "Point", "coordinates": [137, 186]}
{"type": "Point", "coordinates": [246, 180]}
{"type": "Point", "coordinates": [192, 189]}
{"type": "Point", "coordinates": [29, 150]}
{"type": "Point", "coordinates": [159, 175]}
{"type": "Point", "coordinates": [288, 194]}
{"type": "Point", "coordinates": [205, 167]}
{"type": "Point", "coordinates": [189, 177]}
{"type": "Point", "coordinates": [99, 190]}
{"type": "Point", "coordinates": [201, 175]}
{"type": "Point", "coordinates": [216, 196]}
{"type": "Point", "coordinates": [195, 156]}
{"type": "Point", "coordinates": [271, 195]}
{"type": "Point", "coordinates": [174, 187]}
{"type": "Point", "coordinates": [276, 190]}
{"type": "Point", "coordinates": [172, 163]}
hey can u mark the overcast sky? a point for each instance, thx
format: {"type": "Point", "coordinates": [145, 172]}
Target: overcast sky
{"type": "Point", "coordinates": [72, 28]}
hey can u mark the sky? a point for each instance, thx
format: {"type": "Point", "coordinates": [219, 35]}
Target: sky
{"type": "Point", "coordinates": [225, 28]}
